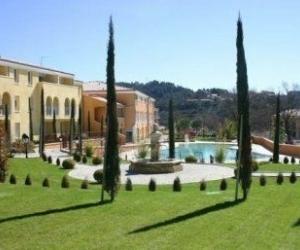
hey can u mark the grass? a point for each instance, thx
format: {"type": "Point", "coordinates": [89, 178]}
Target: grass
{"type": "Point", "coordinates": [278, 167]}
{"type": "Point", "coordinates": [32, 217]}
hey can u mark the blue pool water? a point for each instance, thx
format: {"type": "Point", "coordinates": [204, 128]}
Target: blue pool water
{"type": "Point", "coordinates": [204, 150]}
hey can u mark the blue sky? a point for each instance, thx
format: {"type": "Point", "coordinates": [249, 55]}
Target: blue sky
{"type": "Point", "coordinates": [190, 43]}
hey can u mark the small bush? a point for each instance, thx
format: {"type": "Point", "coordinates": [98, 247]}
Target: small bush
{"type": "Point", "coordinates": [77, 157]}
{"type": "Point", "coordinates": [177, 185]}
{"type": "Point", "coordinates": [68, 164]}
{"type": "Point", "coordinates": [271, 159]}
{"type": "Point", "coordinates": [65, 182]}
{"type": "Point", "coordinates": [46, 182]}
{"type": "Point", "coordinates": [128, 185]}
{"type": "Point", "coordinates": [254, 166]}
{"type": "Point", "coordinates": [84, 159]}
{"type": "Point", "coordinates": [220, 155]}
{"type": "Point", "coordinates": [13, 179]}
{"type": "Point", "coordinates": [84, 184]}
{"type": "Point", "coordinates": [88, 150]}
{"type": "Point", "coordinates": [49, 159]}
{"type": "Point", "coordinates": [223, 185]}
{"type": "Point", "coordinates": [96, 160]}
{"type": "Point", "coordinates": [262, 180]}
{"type": "Point", "coordinates": [191, 159]}
{"type": "Point", "coordinates": [203, 185]}
{"type": "Point", "coordinates": [152, 185]}
{"type": "Point", "coordinates": [28, 180]}
{"type": "Point", "coordinates": [58, 162]}
{"type": "Point", "coordinates": [293, 160]}
{"type": "Point", "coordinates": [142, 152]}
{"type": "Point", "coordinates": [279, 179]}
{"type": "Point", "coordinates": [98, 176]}
{"type": "Point", "coordinates": [285, 160]}
{"type": "Point", "coordinates": [293, 177]}
{"type": "Point", "coordinates": [44, 156]}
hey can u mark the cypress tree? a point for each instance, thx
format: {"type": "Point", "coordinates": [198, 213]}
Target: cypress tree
{"type": "Point", "coordinates": [171, 131]}
{"type": "Point", "coordinates": [30, 120]}
{"type": "Point", "coordinates": [54, 125]}
{"type": "Point", "coordinates": [89, 124]}
{"type": "Point", "coordinates": [71, 131]}
{"type": "Point", "coordinates": [102, 127]}
{"type": "Point", "coordinates": [243, 111]}
{"type": "Point", "coordinates": [42, 125]}
{"type": "Point", "coordinates": [80, 128]}
{"type": "Point", "coordinates": [6, 126]}
{"type": "Point", "coordinates": [111, 169]}
{"type": "Point", "coordinates": [277, 131]}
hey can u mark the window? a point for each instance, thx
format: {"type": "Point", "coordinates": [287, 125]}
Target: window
{"type": "Point", "coordinates": [67, 106]}
{"type": "Point", "coordinates": [16, 76]}
{"type": "Point", "coordinates": [49, 106]}
{"type": "Point", "coordinates": [17, 130]}
{"type": "Point", "coordinates": [17, 104]}
{"type": "Point", "coordinates": [29, 78]}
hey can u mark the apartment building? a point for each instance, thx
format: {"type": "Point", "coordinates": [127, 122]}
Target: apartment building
{"type": "Point", "coordinates": [21, 81]}
{"type": "Point", "coordinates": [136, 111]}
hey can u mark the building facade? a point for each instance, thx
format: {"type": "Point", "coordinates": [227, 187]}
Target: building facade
{"type": "Point", "coordinates": [136, 111]}
{"type": "Point", "coordinates": [21, 82]}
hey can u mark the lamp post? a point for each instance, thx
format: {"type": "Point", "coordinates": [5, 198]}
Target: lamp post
{"type": "Point", "coordinates": [60, 138]}
{"type": "Point", "coordinates": [25, 139]}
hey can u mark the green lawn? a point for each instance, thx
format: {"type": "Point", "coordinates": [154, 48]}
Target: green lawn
{"type": "Point", "coordinates": [32, 217]}
{"type": "Point", "coordinates": [280, 167]}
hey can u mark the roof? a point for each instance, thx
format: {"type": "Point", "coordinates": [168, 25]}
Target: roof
{"type": "Point", "coordinates": [32, 67]}
{"type": "Point", "coordinates": [102, 99]}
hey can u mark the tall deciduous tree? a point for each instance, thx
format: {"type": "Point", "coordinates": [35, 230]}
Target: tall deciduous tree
{"type": "Point", "coordinates": [30, 120]}
{"type": "Point", "coordinates": [277, 131]}
{"type": "Point", "coordinates": [42, 125]}
{"type": "Point", "coordinates": [243, 111]}
{"type": "Point", "coordinates": [111, 170]}
{"type": "Point", "coordinates": [80, 128]}
{"type": "Point", "coordinates": [72, 124]}
{"type": "Point", "coordinates": [171, 131]}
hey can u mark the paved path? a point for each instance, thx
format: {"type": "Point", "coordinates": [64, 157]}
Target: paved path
{"type": "Point", "coordinates": [190, 173]}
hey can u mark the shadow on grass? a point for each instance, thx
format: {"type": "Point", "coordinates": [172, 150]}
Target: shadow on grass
{"type": "Point", "coordinates": [181, 218]}
{"type": "Point", "coordinates": [54, 211]}
{"type": "Point", "coordinates": [297, 223]}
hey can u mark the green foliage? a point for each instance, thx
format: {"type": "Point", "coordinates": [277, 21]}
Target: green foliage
{"type": "Point", "coordinates": [97, 160]}
{"type": "Point", "coordinates": [191, 159]}
{"type": "Point", "coordinates": [89, 151]}
{"type": "Point", "coordinates": [49, 159]}
{"type": "Point", "coordinates": [128, 185]}
{"type": "Point", "coordinates": [46, 182]}
{"type": "Point", "coordinates": [280, 179]}
{"type": "Point", "coordinates": [293, 161]}
{"type": "Point", "coordinates": [58, 162]}
{"type": "Point", "coordinates": [44, 156]}
{"type": "Point", "coordinates": [152, 185]}
{"type": "Point", "coordinates": [183, 124]}
{"type": "Point", "coordinates": [3, 156]}
{"type": "Point", "coordinates": [262, 180]}
{"type": "Point", "coordinates": [84, 184]}
{"type": "Point", "coordinates": [42, 125]}
{"type": "Point", "coordinates": [65, 182]}
{"type": "Point", "coordinates": [84, 159]}
{"type": "Point", "coordinates": [223, 185]}
{"type": "Point", "coordinates": [220, 155]}
{"type": "Point", "coordinates": [285, 160]}
{"type": "Point", "coordinates": [77, 157]}
{"type": "Point", "coordinates": [277, 131]}
{"type": "Point", "coordinates": [203, 185]}
{"type": "Point", "coordinates": [68, 164]}
{"type": "Point", "coordinates": [28, 181]}
{"type": "Point", "coordinates": [177, 185]}
{"type": "Point", "coordinates": [142, 151]}
{"type": "Point", "coordinates": [293, 177]}
{"type": "Point", "coordinates": [254, 165]}
{"type": "Point", "coordinates": [228, 131]}
{"type": "Point", "coordinates": [98, 176]}
{"type": "Point", "coordinates": [171, 131]}
{"type": "Point", "coordinates": [12, 179]}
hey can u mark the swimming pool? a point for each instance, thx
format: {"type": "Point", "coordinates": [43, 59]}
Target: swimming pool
{"type": "Point", "coordinates": [204, 150]}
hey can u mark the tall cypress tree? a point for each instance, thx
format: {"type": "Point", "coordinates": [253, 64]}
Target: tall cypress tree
{"type": "Point", "coordinates": [6, 127]}
{"type": "Point", "coordinates": [171, 131]}
{"type": "Point", "coordinates": [30, 120]}
{"type": "Point", "coordinates": [54, 125]}
{"type": "Point", "coordinates": [42, 125]}
{"type": "Point", "coordinates": [72, 124]}
{"type": "Point", "coordinates": [111, 169]}
{"type": "Point", "coordinates": [243, 111]}
{"type": "Point", "coordinates": [89, 124]}
{"type": "Point", "coordinates": [80, 128]}
{"type": "Point", "coordinates": [102, 126]}
{"type": "Point", "coordinates": [277, 131]}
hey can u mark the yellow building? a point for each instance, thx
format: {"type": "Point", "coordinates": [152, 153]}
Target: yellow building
{"type": "Point", "coordinates": [136, 111]}
{"type": "Point", "coordinates": [21, 81]}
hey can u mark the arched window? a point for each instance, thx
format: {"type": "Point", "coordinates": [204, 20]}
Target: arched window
{"type": "Point", "coordinates": [56, 106]}
{"type": "Point", "coordinates": [6, 100]}
{"type": "Point", "coordinates": [67, 106]}
{"type": "Point", "coordinates": [49, 106]}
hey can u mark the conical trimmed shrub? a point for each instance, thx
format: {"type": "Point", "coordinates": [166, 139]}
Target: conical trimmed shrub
{"type": "Point", "coordinates": [262, 180]}
{"type": "Point", "coordinates": [177, 185]}
{"type": "Point", "coordinates": [280, 179]}
{"type": "Point", "coordinates": [85, 184]}
{"type": "Point", "coordinates": [49, 159]}
{"type": "Point", "coordinates": [58, 162]}
{"type": "Point", "coordinates": [203, 185]}
{"type": "Point", "coordinates": [293, 160]}
{"type": "Point", "coordinates": [28, 180]}
{"type": "Point", "coordinates": [44, 156]}
{"type": "Point", "coordinates": [128, 185]}
{"type": "Point", "coordinates": [152, 185]}
{"type": "Point", "coordinates": [293, 177]}
{"type": "Point", "coordinates": [223, 185]}
{"type": "Point", "coordinates": [65, 182]}
{"type": "Point", "coordinates": [12, 179]}
{"type": "Point", "coordinates": [46, 183]}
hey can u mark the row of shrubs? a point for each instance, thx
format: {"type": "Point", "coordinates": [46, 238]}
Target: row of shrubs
{"type": "Point", "coordinates": [279, 179]}
{"type": "Point", "coordinates": [286, 160]}
{"type": "Point", "coordinates": [46, 183]}
{"type": "Point", "coordinates": [77, 157]}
